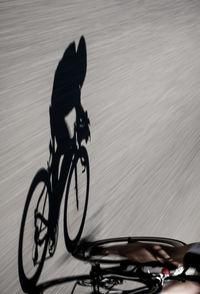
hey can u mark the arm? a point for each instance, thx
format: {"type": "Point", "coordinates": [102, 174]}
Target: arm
{"type": "Point", "coordinates": [148, 252]}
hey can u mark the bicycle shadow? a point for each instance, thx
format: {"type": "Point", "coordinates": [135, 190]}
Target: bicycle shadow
{"type": "Point", "coordinates": [67, 163]}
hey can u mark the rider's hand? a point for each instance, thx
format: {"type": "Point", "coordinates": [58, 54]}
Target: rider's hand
{"type": "Point", "coordinates": [147, 252]}
{"type": "Point", "coordinates": [83, 127]}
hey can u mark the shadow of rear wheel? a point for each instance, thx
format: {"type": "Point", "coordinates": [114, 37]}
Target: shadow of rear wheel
{"type": "Point", "coordinates": [33, 237]}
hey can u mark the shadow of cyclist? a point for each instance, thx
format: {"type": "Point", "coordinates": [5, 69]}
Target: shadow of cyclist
{"type": "Point", "coordinates": [66, 154]}
{"type": "Point", "coordinates": [66, 96]}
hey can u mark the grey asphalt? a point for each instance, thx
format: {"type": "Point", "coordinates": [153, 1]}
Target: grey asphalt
{"type": "Point", "coordinates": [143, 98]}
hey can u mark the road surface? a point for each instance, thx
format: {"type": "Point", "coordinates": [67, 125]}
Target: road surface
{"type": "Point", "coordinates": [143, 98]}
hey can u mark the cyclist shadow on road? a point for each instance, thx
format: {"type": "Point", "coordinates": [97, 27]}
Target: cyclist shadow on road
{"type": "Point", "coordinates": [68, 166]}
{"type": "Point", "coordinates": [66, 96]}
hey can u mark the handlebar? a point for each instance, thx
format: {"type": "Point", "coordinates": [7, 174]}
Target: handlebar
{"type": "Point", "coordinates": [103, 275]}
